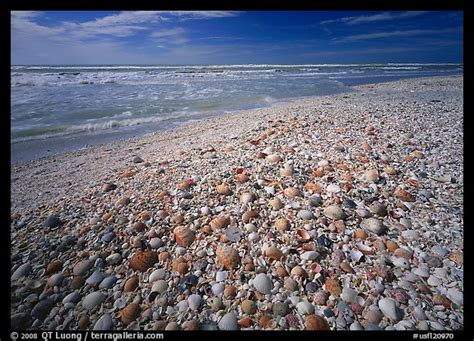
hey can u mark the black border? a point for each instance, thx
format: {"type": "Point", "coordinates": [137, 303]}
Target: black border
{"type": "Point", "coordinates": [294, 5]}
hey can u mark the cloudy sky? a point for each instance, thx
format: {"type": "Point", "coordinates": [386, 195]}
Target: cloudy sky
{"type": "Point", "coordinates": [228, 37]}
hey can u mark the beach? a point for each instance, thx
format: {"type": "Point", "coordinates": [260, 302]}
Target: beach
{"type": "Point", "coordinates": [340, 212]}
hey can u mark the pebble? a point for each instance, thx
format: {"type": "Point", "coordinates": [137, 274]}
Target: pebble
{"type": "Point", "coordinates": [373, 225]}
{"type": "Point", "coordinates": [52, 222]}
{"type": "Point", "coordinates": [42, 309]}
{"type": "Point", "coordinates": [334, 212]}
{"type": "Point", "coordinates": [108, 282]}
{"type": "Point", "coordinates": [92, 300]}
{"type": "Point", "coordinates": [104, 323]}
{"type": "Point", "coordinates": [22, 271]}
{"type": "Point", "coordinates": [305, 215]}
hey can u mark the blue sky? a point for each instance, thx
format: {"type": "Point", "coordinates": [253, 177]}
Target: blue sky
{"type": "Point", "coordinates": [234, 37]}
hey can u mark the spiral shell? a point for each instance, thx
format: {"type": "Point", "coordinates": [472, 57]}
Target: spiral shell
{"type": "Point", "coordinates": [183, 236]}
{"type": "Point", "coordinates": [228, 257]}
{"type": "Point", "coordinates": [130, 313]}
{"type": "Point", "coordinates": [143, 260]}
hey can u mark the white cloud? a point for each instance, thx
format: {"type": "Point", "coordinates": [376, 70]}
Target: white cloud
{"type": "Point", "coordinates": [384, 16]}
{"type": "Point", "coordinates": [379, 35]}
{"type": "Point", "coordinates": [167, 32]}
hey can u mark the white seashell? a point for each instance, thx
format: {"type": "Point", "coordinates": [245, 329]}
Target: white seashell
{"type": "Point", "coordinates": [156, 275]}
{"type": "Point", "coordinates": [356, 255]}
{"type": "Point", "coordinates": [104, 323]}
{"type": "Point", "coordinates": [263, 283]}
{"type": "Point", "coordinates": [434, 281]}
{"type": "Point", "coordinates": [269, 189]}
{"type": "Point", "coordinates": [333, 188]}
{"type": "Point", "coordinates": [194, 301]}
{"type": "Point", "coordinates": [400, 262]}
{"type": "Point", "coordinates": [253, 236]}
{"type": "Point", "coordinates": [309, 255]}
{"type": "Point", "coordinates": [294, 300]}
{"type": "Point", "coordinates": [217, 289]}
{"type": "Point", "coordinates": [221, 276]}
{"type": "Point", "coordinates": [160, 286]}
{"type": "Point", "coordinates": [422, 272]}
{"type": "Point", "coordinates": [456, 296]}
{"type": "Point", "coordinates": [388, 306]}
{"type": "Point", "coordinates": [247, 198]}
{"type": "Point", "coordinates": [355, 326]}
{"type": "Point", "coordinates": [373, 225]}
{"type": "Point", "coordinates": [228, 322]}
{"type": "Point", "coordinates": [92, 300]}
{"type": "Point", "coordinates": [305, 308]}
{"type": "Point", "coordinates": [250, 227]}
{"type": "Point", "coordinates": [348, 294]}
{"type": "Point", "coordinates": [182, 305]}
{"type": "Point", "coordinates": [155, 243]}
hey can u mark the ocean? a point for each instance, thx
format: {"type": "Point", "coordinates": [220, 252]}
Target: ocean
{"type": "Point", "coordinates": [71, 101]}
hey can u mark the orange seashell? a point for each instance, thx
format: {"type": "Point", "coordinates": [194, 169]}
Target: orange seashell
{"type": "Point", "coordinates": [310, 246]}
{"type": "Point", "coordinates": [328, 169]}
{"type": "Point", "coordinates": [164, 256]}
{"type": "Point", "coordinates": [219, 222]}
{"type": "Point", "coordinates": [347, 187]}
{"type": "Point", "coordinates": [183, 236]}
{"type": "Point", "coordinates": [302, 235]}
{"type": "Point", "coordinates": [391, 245]}
{"type": "Point", "coordinates": [315, 267]}
{"type": "Point", "coordinates": [333, 286]}
{"type": "Point", "coordinates": [239, 170]}
{"type": "Point", "coordinates": [143, 260]}
{"type": "Point", "coordinates": [228, 257]}
{"type": "Point", "coordinates": [314, 322]}
{"type": "Point", "coordinates": [230, 291]}
{"type": "Point", "coordinates": [224, 239]}
{"type": "Point", "coordinates": [360, 234]}
{"type": "Point", "coordinates": [241, 178]}
{"type": "Point", "coordinates": [145, 215]}
{"type": "Point", "coordinates": [245, 322]}
{"type": "Point", "coordinates": [281, 272]}
{"type": "Point", "coordinates": [265, 321]}
{"type": "Point", "coordinates": [390, 170]}
{"type": "Point", "coordinates": [347, 177]}
{"type": "Point", "coordinates": [261, 155]}
{"type": "Point", "coordinates": [228, 149]}
{"type": "Point", "coordinates": [343, 167]}
{"type": "Point", "coordinates": [403, 195]}
{"type": "Point", "coordinates": [223, 189]}
{"type": "Point", "coordinates": [127, 174]}
{"type": "Point", "coordinates": [282, 225]}
{"type": "Point", "coordinates": [273, 253]}
{"type": "Point", "coordinates": [340, 129]}
{"type": "Point", "coordinates": [177, 262]}
{"type": "Point", "coordinates": [366, 147]}
{"type": "Point", "coordinates": [346, 267]}
{"type": "Point", "coordinates": [130, 313]}
{"type": "Point", "coordinates": [318, 172]}
{"type": "Point", "coordinates": [139, 226]}
{"type": "Point", "coordinates": [182, 268]}
{"type": "Point", "coordinates": [291, 192]}
{"type": "Point", "coordinates": [413, 182]}
{"type": "Point", "coordinates": [183, 185]}
{"type": "Point", "coordinates": [311, 186]}
{"type": "Point", "coordinates": [131, 284]}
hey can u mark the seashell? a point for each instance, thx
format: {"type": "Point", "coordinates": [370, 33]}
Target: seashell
{"type": "Point", "coordinates": [333, 286]}
{"type": "Point", "coordinates": [263, 283]}
{"type": "Point", "coordinates": [346, 267]}
{"type": "Point", "coordinates": [315, 322]}
{"type": "Point", "coordinates": [241, 178]}
{"type": "Point", "coordinates": [391, 245]}
{"type": "Point", "coordinates": [194, 301]}
{"type": "Point", "coordinates": [247, 198]}
{"type": "Point", "coordinates": [228, 322]}
{"type": "Point", "coordinates": [366, 147]}
{"type": "Point", "coordinates": [122, 201]}
{"type": "Point", "coordinates": [248, 215]}
{"type": "Point", "coordinates": [276, 203]}
{"type": "Point", "coordinates": [183, 236]}
{"type": "Point", "coordinates": [281, 272]}
{"type": "Point", "coordinates": [282, 225]}
{"type": "Point", "coordinates": [131, 284]}
{"type": "Point", "coordinates": [228, 257]}
{"type": "Point", "coordinates": [230, 291]}
{"type": "Point", "coordinates": [348, 295]}
{"type": "Point", "coordinates": [309, 255]}
{"type": "Point", "coordinates": [403, 253]}
{"type": "Point", "coordinates": [191, 325]}
{"type": "Point", "coordinates": [373, 225]}
{"type": "Point", "coordinates": [290, 284]}
{"type": "Point", "coordinates": [305, 215]}
{"type": "Point", "coordinates": [130, 313]}
{"type": "Point", "coordinates": [333, 188]}
{"type": "Point", "coordinates": [313, 187]}
{"type": "Point", "coordinates": [274, 158]}
{"type": "Point", "coordinates": [371, 175]}
{"type": "Point", "coordinates": [378, 208]}
{"type": "Point", "coordinates": [403, 195]}
{"type": "Point", "coordinates": [360, 234]}
{"type": "Point", "coordinates": [92, 300]}
{"type": "Point", "coordinates": [355, 255]}
{"type": "Point", "coordinates": [221, 276]}
{"type": "Point", "coordinates": [298, 271]}
{"type": "Point", "coordinates": [304, 308]}
{"type": "Point", "coordinates": [223, 189]}
{"type": "Point", "coordinates": [302, 235]}
{"type": "Point", "coordinates": [54, 266]}
{"type": "Point", "coordinates": [334, 212]}
{"type": "Point", "coordinates": [156, 275]}
{"type": "Point", "coordinates": [266, 322]}
{"type": "Point", "coordinates": [108, 187]}
{"type": "Point", "coordinates": [389, 308]}
{"type": "Point", "coordinates": [82, 267]}
{"type": "Point", "coordinates": [273, 253]}
{"type": "Point", "coordinates": [160, 286]}
{"type": "Point", "coordinates": [366, 250]}
{"type": "Point", "coordinates": [245, 322]}
{"type": "Point", "coordinates": [35, 285]}
{"type": "Point", "coordinates": [219, 222]}
{"type": "Point", "coordinates": [143, 260]}
{"type": "Point", "coordinates": [390, 170]}
{"type": "Point", "coordinates": [104, 323]}
{"type": "Point", "coordinates": [291, 192]}
{"type": "Point", "coordinates": [287, 170]}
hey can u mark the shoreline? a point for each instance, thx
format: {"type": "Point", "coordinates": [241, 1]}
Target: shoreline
{"type": "Point", "coordinates": [22, 152]}
{"type": "Point", "coordinates": [341, 212]}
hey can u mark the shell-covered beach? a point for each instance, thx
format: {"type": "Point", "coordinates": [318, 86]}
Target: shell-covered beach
{"type": "Point", "coordinates": [340, 212]}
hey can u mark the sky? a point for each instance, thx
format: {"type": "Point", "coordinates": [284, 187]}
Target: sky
{"type": "Point", "coordinates": [235, 37]}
